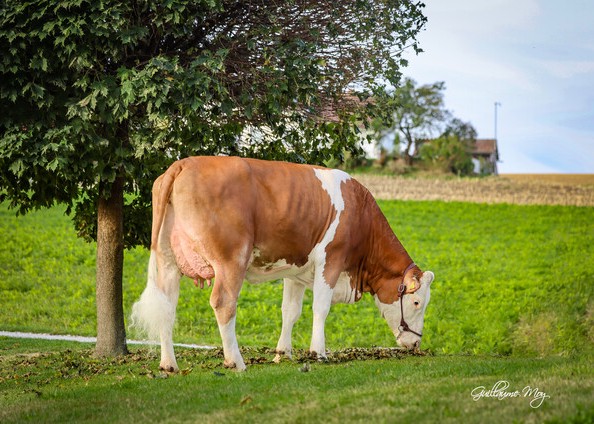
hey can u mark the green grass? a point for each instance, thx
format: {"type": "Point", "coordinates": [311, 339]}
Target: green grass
{"type": "Point", "coordinates": [513, 300]}
{"type": "Point", "coordinates": [70, 385]}
{"type": "Point", "coordinates": [509, 280]}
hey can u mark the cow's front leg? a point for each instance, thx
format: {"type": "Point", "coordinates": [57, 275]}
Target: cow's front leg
{"type": "Point", "coordinates": [223, 301]}
{"type": "Point", "coordinates": [291, 310]}
{"type": "Point", "coordinates": [322, 299]}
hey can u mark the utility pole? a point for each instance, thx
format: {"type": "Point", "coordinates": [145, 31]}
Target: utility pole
{"type": "Point", "coordinates": [497, 104]}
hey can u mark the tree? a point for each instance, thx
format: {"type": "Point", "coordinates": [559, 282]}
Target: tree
{"type": "Point", "coordinates": [465, 131]}
{"type": "Point", "coordinates": [98, 97]}
{"type": "Point", "coordinates": [451, 151]}
{"type": "Point", "coordinates": [416, 113]}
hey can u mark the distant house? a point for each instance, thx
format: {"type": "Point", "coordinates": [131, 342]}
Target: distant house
{"type": "Point", "coordinates": [485, 156]}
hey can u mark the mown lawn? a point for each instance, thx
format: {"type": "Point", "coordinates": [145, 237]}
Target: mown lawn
{"type": "Point", "coordinates": [69, 385]}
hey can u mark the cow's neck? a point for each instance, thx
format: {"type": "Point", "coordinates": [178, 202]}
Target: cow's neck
{"type": "Point", "coordinates": [385, 261]}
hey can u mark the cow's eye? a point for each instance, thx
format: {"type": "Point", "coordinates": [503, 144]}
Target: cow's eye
{"type": "Point", "coordinates": [417, 303]}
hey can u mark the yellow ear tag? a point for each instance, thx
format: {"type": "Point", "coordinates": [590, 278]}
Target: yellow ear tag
{"type": "Point", "coordinates": [412, 287]}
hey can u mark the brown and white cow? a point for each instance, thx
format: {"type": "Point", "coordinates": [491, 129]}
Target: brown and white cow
{"type": "Point", "coordinates": [243, 219]}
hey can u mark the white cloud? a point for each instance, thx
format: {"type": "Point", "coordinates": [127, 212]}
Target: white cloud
{"type": "Point", "coordinates": [480, 17]}
{"type": "Point", "coordinates": [568, 69]}
{"type": "Point", "coordinates": [472, 62]}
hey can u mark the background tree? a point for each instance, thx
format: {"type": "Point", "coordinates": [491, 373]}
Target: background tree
{"type": "Point", "coordinates": [452, 150]}
{"type": "Point", "coordinates": [415, 113]}
{"type": "Point", "coordinates": [97, 98]}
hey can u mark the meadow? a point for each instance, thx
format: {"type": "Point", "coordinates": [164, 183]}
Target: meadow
{"type": "Point", "coordinates": [509, 280]}
{"type": "Point", "coordinates": [513, 300]}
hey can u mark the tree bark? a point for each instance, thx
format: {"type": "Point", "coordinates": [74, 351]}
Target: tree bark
{"type": "Point", "coordinates": [408, 158]}
{"type": "Point", "coordinates": [111, 333]}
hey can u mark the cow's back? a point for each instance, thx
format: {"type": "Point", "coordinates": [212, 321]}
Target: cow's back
{"type": "Point", "coordinates": [293, 211]}
{"type": "Point", "coordinates": [281, 209]}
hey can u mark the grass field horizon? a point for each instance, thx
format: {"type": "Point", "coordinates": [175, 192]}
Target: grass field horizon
{"type": "Point", "coordinates": [557, 178]}
{"type": "Point", "coordinates": [512, 301]}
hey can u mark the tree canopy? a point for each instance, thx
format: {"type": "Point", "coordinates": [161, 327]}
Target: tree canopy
{"type": "Point", "coordinates": [95, 89]}
{"type": "Point", "coordinates": [451, 151]}
{"type": "Point", "coordinates": [414, 112]}
{"type": "Point", "coordinates": [98, 97]}
{"type": "Point", "coordinates": [424, 128]}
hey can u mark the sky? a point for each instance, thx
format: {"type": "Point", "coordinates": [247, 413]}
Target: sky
{"type": "Point", "coordinates": [535, 58]}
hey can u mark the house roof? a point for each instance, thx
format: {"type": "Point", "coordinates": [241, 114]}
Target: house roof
{"type": "Point", "coordinates": [347, 102]}
{"type": "Point", "coordinates": [485, 146]}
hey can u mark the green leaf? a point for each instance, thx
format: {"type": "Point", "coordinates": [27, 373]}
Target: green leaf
{"type": "Point", "coordinates": [38, 62]}
{"type": "Point", "coordinates": [127, 91]}
{"type": "Point", "coordinates": [227, 107]}
{"type": "Point", "coordinates": [17, 167]}
{"type": "Point", "coordinates": [248, 111]}
{"type": "Point", "coordinates": [53, 165]}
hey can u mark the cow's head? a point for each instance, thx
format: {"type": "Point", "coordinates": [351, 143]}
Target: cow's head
{"type": "Point", "coordinates": [415, 298]}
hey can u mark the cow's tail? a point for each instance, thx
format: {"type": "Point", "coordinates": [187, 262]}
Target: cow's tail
{"type": "Point", "coordinates": [162, 188]}
{"type": "Point", "coordinates": [154, 313]}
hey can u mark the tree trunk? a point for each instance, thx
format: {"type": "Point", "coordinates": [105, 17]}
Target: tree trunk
{"type": "Point", "coordinates": [408, 158]}
{"type": "Point", "coordinates": [111, 333]}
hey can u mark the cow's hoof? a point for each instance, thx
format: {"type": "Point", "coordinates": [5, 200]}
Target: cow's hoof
{"type": "Point", "coordinates": [169, 368]}
{"type": "Point", "coordinates": [280, 355]}
{"type": "Point", "coordinates": [316, 356]}
{"type": "Point", "coordinates": [322, 358]}
{"type": "Point", "coordinates": [237, 366]}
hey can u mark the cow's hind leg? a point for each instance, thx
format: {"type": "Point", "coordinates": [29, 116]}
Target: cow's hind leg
{"type": "Point", "coordinates": [154, 313]}
{"type": "Point", "coordinates": [223, 301]}
{"type": "Point", "coordinates": [291, 309]}
{"type": "Point", "coordinates": [169, 284]}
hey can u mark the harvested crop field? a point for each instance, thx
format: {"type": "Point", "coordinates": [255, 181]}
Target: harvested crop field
{"type": "Point", "coordinates": [526, 189]}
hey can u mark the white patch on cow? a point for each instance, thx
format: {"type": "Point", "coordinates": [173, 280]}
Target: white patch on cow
{"type": "Point", "coordinates": [414, 315]}
{"type": "Point", "coordinates": [269, 271]}
{"type": "Point", "coordinates": [343, 291]}
{"type": "Point", "coordinates": [331, 180]}
{"type": "Point", "coordinates": [291, 309]}
{"type": "Point", "coordinates": [322, 299]}
{"type": "Point", "coordinates": [390, 312]}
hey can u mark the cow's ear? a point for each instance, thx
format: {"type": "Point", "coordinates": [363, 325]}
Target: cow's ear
{"type": "Point", "coordinates": [427, 277]}
{"type": "Point", "coordinates": [413, 285]}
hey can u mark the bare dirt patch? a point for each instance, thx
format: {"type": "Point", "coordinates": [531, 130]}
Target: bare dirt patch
{"type": "Point", "coordinates": [525, 189]}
